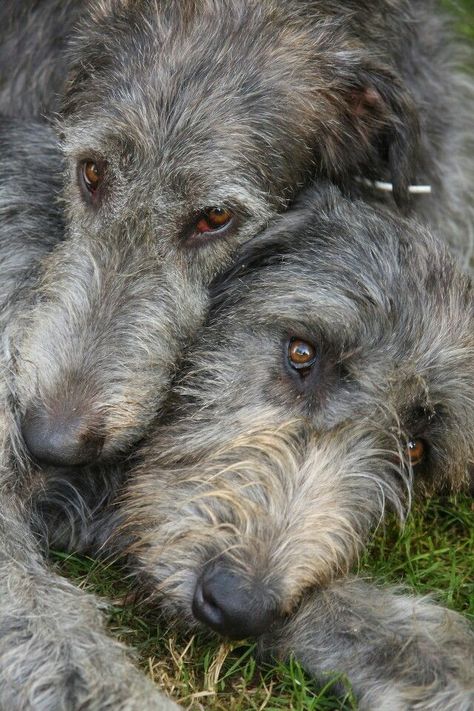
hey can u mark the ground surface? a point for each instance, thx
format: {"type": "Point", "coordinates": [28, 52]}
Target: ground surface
{"type": "Point", "coordinates": [433, 554]}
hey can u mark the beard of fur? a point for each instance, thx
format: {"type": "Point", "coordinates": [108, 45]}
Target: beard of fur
{"type": "Point", "coordinates": [280, 506]}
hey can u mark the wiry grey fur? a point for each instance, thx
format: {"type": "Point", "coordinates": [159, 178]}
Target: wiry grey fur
{"type": "Point", "coordinates": [398, 651]}
{"type": "Point", "coordinates": [260, 487]}
{"type": "Point", "coordinates": [277, 95]}
{"type": "Point", "coordinates": [54, 652]}
{"type": "Point", "coordinates": [280, 92]}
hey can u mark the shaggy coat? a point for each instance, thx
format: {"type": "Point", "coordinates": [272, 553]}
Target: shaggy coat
{"type": "Point", "coordinates": [54, 652]}
{"type": "Point", "coordinates": [333, 380]}
{"type": "Point", "coordinates": [179, 150]}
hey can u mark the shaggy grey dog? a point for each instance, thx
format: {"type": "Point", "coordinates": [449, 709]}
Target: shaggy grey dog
{"type": "Point", "coordinates": [334, 379]}
{"type": "Point", "coordinates": [177, 151]}
{"type": "Point", "coordinates": [54, 652]}
{"type": "Point", "coordinates": [182, 106]}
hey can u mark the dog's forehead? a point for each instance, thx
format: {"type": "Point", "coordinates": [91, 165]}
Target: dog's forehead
{"type": "Point", "coordinates": [205, 40]}
{"type": "Point", "coordinates": [214, 82]}
{"type": "Point", "coordinates": [315, 271]}
{"type": "Point", "coordinates": [358, 283]}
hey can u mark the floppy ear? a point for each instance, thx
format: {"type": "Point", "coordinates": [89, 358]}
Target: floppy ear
{"type": "Point", "coordinates": [376, 119]}
{"type": "Point", "coordinates": [387, 112]}
{"type": "Point", "coordinates": [89, 52]}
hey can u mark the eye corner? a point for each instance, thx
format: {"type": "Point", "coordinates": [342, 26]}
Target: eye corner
{"type": "Point", "coordinates": [421, 422]}
{"type": "Point", "coordinates": [416, 451]}
{"type": "Point", "coordinates": [301, 355]}
{"type": "Point", "coordinates": [211, 223]}
{"type": "Point", "coordinates": [91, 174]}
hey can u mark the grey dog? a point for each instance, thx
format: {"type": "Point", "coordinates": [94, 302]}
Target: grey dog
{"type": "Point", "coordinates": [178, 150]}
{"type": "Point", "coordinates": [54, 652]}
{"type": "Point", "coordinates": [271, 93]}
{"type": "Point", "coordinates": [176, 154]}
{"type": "Point", "coordinates": [276, 94]}
{"type": "Point", "coordinates": [334, 380]}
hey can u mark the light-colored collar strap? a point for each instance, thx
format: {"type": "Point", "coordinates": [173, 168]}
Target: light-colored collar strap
{"type": "Point", "coordinates": [388, 187]}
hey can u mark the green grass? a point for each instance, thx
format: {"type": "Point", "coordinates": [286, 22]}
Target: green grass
{"type": "Point", "coordinates": [194, 670]}
{"type": "Point", "coordinates": [463, 11]}
{"type": "Point", "coordinates": [434, 554]}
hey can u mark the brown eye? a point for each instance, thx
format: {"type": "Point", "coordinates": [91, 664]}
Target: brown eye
{"type": "Point", "coordinates": [213, 219]}
{"type": "Point", "coordinates": [91, 175]}
{"type": "Point", "coordinates": [415, 451]}
{"type": "Point", "coordinates": [301, 354]}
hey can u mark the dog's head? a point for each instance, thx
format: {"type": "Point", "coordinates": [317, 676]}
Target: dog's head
{"type": "Point", "coordinates": [186, 128]}
{"type": "Point", "coordinates": [233, 102]}
{"type": "Point", "coordinates": [335, 372]}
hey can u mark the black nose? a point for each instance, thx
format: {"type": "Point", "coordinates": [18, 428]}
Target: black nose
{"type": "Point", "coordinates": [60, 440]}
{"type": "Point", "coordinates": [226, 603]}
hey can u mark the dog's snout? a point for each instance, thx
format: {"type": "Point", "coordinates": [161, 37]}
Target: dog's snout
{"type": "Point", "coordinates": [61, 440]}
{"type": "Point", "coordinates": [226, 603]}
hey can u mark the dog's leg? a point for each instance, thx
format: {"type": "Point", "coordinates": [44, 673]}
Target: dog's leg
{"type": "Point", "coordinates": [54, 652]}
{"type": "Point", "coordinates": [398, 652]}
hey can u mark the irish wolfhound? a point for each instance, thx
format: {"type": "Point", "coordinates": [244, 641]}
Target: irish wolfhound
{"type": "Point", "coordinates": [35, 662]}
{"type": "Point", "coordinates": [278, 93]}
{"type": "Point", "coordinates": [54, 652]}
{"type": "Point", "coordinates": [178, 151]}
{"type": "Point", "coordinates": [176, 154]}
{"type": "Point", "coordinates": [49, 657]}
{"type": "Point", "coordinates": [335, 377]}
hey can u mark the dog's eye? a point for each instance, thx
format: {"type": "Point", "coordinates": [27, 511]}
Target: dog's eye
{"type": "Point", "coordinates": [301, 355]}
{"type": "Point", "coordinates": [213, 219]}
{"type": "Point", "coordinates": [415, 451]}
{"type": "Point", "coordinates": [92, 175]}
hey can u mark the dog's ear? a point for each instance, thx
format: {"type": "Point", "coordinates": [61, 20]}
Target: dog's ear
{"type": "Point", "coordinates": [90, 52]}
{"type": "Point", "coordinates": [377, 119]}
{"type": "Point", "coordinates": [385, 110]}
